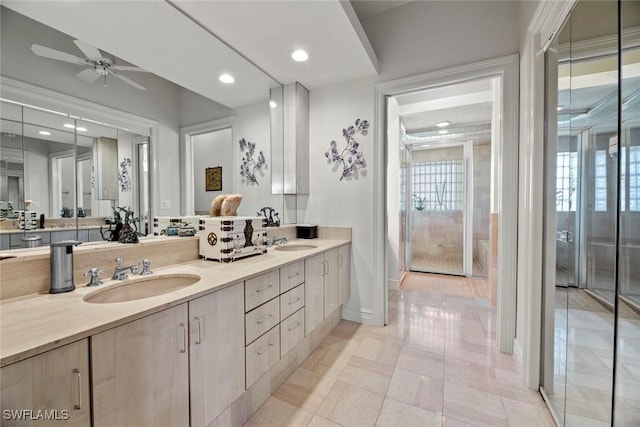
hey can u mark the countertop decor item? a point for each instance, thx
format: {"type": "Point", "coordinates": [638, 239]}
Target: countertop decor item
{"type": "Point", "coordinates": [351, 156]}
{"type": "Point", "coordinates": [249, 165]}
{"type": "Point", "coordinates": [271, 215]}
{"type": "Point", "coordinates": [225, 205]}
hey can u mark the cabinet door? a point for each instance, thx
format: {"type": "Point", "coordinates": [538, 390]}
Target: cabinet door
{"type": "Point", "coordinates": [331, 287]}
{"type": "Point", "coordinates": [216, 352]}
{"type": "Point", "coordinates": [344, 273]}
{"type": "Point", "coordinates": [55, 382]}
{"type": "Point", "coordinates": [313, 292]}
{"type": "Point", "coordinates": [141, 372]}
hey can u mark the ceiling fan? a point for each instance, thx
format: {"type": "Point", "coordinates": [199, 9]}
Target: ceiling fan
{"type": "Point", "coordinates": [99, 65]}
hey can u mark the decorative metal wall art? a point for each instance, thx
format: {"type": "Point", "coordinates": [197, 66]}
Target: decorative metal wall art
{"type": "Point", "coordinates": [351, 156]}
{"type": "Point", "coordinates": [249, 165]}
{"type": "Point", "coordinates": [123, 177]}
{"type": "Point", "coordinates": [271, 215]}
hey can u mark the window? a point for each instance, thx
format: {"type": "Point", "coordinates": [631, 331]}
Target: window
{"type": "Point", "coordinates": [566, 181]}
{"type": "Point", "coordinates": [633, 177]}
{"type": "Point", "coordinates": [600, 184]}
{"type": "Point", "coordinates": [438, 186]}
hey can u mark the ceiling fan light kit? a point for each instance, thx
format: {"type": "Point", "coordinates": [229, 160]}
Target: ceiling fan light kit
{"type": "Point", "coordinates": [99, 65]}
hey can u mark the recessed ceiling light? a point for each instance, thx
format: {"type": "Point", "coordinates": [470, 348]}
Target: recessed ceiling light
{"type": "Point", "coordinates": [69, 125]}
{"type": "Point", "coordinates": [44, 132]}
{"type": "Point", "coordinates": [273, 104]}
{"type": "Point", "coordinates": [443, 132]}
{"type": "Point", "coordinates": [443, 124]}
{"type": "Point", "coordinates": [81, 129]}
{"type": "Point", "coordinates": [226, 78]}
{"type": "Point", "coordinates": [299, 55]}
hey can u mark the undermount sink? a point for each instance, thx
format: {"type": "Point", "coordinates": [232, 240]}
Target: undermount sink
{"type": "Point", "coordinates": [290, 247]}
{"type": "Point", "coordinates": [146, 287]}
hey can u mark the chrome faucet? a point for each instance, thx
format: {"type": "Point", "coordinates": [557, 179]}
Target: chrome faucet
{"type": "Point", "coordinates": [121, 273]}
{"type": "Point", "coordinates": [277, 240]}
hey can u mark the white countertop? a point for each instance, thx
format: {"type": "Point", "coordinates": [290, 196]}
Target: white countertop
{"type": "Point", "coordinates": [32, 324]}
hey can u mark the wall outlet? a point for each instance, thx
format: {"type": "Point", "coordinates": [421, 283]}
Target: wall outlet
{"type": "Point", "coordinates": [165, 204]}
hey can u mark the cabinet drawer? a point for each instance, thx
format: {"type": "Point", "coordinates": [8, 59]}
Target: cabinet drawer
{"type": "Point", "coordinates": [262, 354]}
{"type": "Point", "coordinates": [291, 331]}
{"type": "Point", "coordinates": [260, 320]}
{"type": "Point", "coordinates": [291, 301]}
{"type": "Point", "coordinates": [291, 276]}
{"type": "Point", "coordinates": [261, 289]}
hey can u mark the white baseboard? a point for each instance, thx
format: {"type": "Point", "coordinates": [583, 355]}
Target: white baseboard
{"type": "Point", "coordinates": [394, 285]}
{"type": "Point", "coordinates": [359, 316]}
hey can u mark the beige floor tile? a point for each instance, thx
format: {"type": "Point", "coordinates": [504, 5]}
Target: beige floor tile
{"type": "Point", "coordinates": [318, 421]}
{"type": "Point", "coordinates": [350, 330]}
{"type": "Point", "coordinates": [326, 361]}
{"type": "Point", "coordinates": [429, 340]}
{"type": "Point", "coordinates": [474, 375]}
{"type": "Point", "coordinates": [367, 374]}
{"type": "Point", "coordinates": [400, 414]}
{"type": "Point", "coordinates": [351, 406]}
{"type": "Point", "coordinates": [421, 362]}
{"type": "Point", "coordinates": [473, 406]}
{"type": "Point", "coordinates": [417, 390]}
{"type": "Point", "coordinates": [378, 351]}
{"type": "Point", "coordinates": [343, 345]}
{"type": "Point", "coordinates": [452, 422]}
{"type": "Point", "coordinates": [276, 413]}
{"type": "Point", "coordinates": [522, 414]}
{"type": "Point", "coordinates": [305, 389]}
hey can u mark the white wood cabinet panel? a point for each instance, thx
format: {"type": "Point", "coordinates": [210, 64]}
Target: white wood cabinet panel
{"type": "Point", "coordinates": [261, 319]}
{"type": "Point", "coordinates": [331, 286]}
{"type": "Point", "coordinates": [291, 276]}
{"type": "Point", "coordinates": [261, 289]}
{"type": "Point", "coordinates": [217, 353]}
{"type": "Point", "coordinates": [56, 380]}
{"type": "Point", "coordinates": [291, 331]}
{"type": "Point", "coordinates": [262, 354]}
{"type": "Point", "coordinates": [291, 301]}
{"type": "Point", "coordinates": [344, 273]}
{"type": "Point", "coordinates": [141, 372]}
{"type": "Point", "coordinates": [313, 292]}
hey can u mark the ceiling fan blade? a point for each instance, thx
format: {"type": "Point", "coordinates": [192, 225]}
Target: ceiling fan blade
{"type": "Point", "coordinates": [47, 52]}
{"type": "Point", "coordinates": [127, 68]}
{"type": "Point", "coordinates": [128, 81]}
{"type": "Point", "coordinates": [89, 75]}
{"type": "Point", "coordinates": [90, 52]}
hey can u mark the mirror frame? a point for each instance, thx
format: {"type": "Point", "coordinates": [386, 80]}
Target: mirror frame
{"type": "Point", "coordinates": [76, 108]}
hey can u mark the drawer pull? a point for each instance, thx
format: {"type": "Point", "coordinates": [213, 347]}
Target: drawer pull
{"type": "Point", "coordinates": [294, 301]}
{"type": "Point", "coordinates": [291, 276]}
{"type": "Point", "coordinates": [199, 340]}
{"type": "Point", "coordinates": [295, 326]}
{"type": "Point", "coordinates": [264, 289]}
{"type": "Point", "coordinates": [79, 378]}
{"type": "Point", "coordinates": [260, 322]}
{"type": "Point", "coordinates": [183, 349]}
{"type": "Point", "coordinates": [264, 350]}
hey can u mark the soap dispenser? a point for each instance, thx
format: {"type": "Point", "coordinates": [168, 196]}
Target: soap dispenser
{"type": "Point", "coordinates": [62, 266]}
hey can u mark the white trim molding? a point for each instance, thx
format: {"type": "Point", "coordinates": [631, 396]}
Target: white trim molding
{"type": "Point", "coordinates": [544, 26]}
{"type": "Point", "coordinates": [187, 203]}
{"type": "Point", "coordinates": [506, 69]}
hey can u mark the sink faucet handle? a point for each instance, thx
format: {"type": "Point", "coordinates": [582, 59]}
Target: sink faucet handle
{"type": "Point", "coordinates": [146, 263]}
{"type": "Point", "coordinates": [94, 275]}
{"type": "Point", "coordinates": [119, 261]}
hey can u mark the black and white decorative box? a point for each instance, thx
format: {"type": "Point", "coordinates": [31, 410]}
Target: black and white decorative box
{"type": "Point", "coordinates": [227, 238]}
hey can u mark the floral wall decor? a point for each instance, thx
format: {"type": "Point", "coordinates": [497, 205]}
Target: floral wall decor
{"type": "Point", "coordinates": [124, 177]}
{"type": "Point", "coordinates": [350, 158]}
{"type": "Point", "coordinates": [249, 165]}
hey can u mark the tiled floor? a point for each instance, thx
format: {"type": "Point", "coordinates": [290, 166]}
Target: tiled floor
{"type": "Point", "coordinates": [451, 264]}
{"type": "Point", "coordinates": [435, 364]}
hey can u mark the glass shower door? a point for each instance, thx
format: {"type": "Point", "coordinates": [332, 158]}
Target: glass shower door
{"type": "Point", "coordinates": [437, 192]}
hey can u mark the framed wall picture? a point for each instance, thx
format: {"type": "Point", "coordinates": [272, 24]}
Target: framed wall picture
{"type": "Point", "coordinates": [213, 179]}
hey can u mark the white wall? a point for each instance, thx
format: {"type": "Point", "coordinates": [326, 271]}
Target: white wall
{"type": "Point", "coordinates": [348, 202]}
{"type": "Point", "coordinates": [212, 149]}
{"type": "Point", "coordinates": [36, 183]}
{"type": "Point", "coordinates": [393, 187]}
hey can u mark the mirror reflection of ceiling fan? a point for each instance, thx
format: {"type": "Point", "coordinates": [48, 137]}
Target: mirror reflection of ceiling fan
{"type": "Point", "coordinates": [99, 65]}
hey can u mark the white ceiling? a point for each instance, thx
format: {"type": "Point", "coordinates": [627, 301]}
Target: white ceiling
{"type": "Point", "coordinates": [367, 8]}
{"type": "Point", "coordinates": [191, 43]}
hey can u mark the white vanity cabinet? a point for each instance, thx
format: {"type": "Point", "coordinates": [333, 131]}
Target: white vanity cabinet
{"type": "Point", "coordinates": [322, 288]}
{"type": "Point", "coordinates": [217, 352]}
{"type": "Point", "coordinates": [344, 273]}
{"type": "Point", "coordinates": [54, 385]}
{"type": "Point", "coordinates": [140, 372]}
